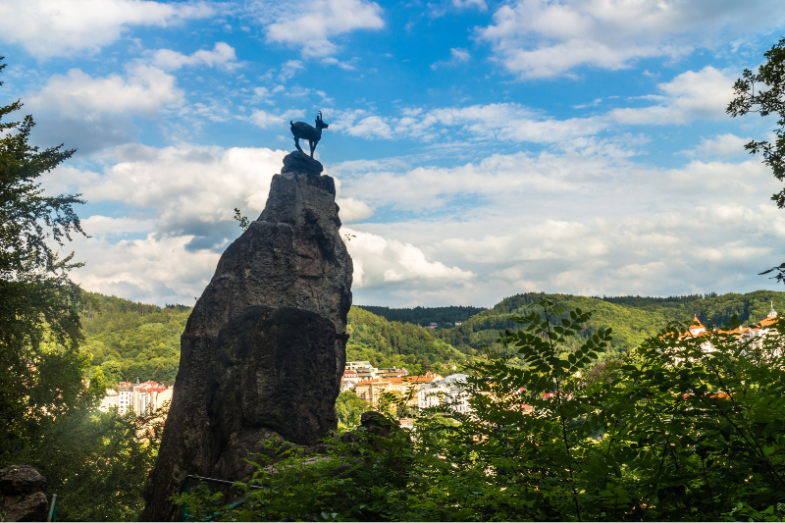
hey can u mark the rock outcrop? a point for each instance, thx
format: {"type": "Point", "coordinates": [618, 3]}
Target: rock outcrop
{"type": "Point", "coordinates": [22, 494]}
{"type": "Point", "coordinates": [264, 349]}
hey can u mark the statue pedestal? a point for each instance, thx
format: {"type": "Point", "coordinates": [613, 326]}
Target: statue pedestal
{"type": "Point", "coordinates": [297, 162]}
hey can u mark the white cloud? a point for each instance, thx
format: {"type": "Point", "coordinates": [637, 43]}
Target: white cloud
{"type": "Point", "coordinates": [378, 262]}
{"type": "Point", "coordinates": [691, 95]}
{"type": "Point", "coordinates": [545, 38]}
{"type": "Point", "coordinates": [465, 4]}
{"type": "Point", "coordinates": [155, 269]}
{"type": "Point", "coordinates": [266, 119]}
{"type": "Point", "coordinates": [48, 28]}
{"type": "Point", "coordinates": [182, 199]}
{"type": "Point", "coordinates": [222, 55]}
{"type": "Point", "coordinates": [568, 222]}
{"type": "Point", "coordinates": [145, 90]}
{"type": "Point", "coordinates": [290, 68]}
{"type": "Point", "coordinates": [723, 145]}
{"type": "Point", "coordinates": [346, 66]}
{"type": "Point", "coordinates": [311, 25]}
{"type": "Point", "coordinates": [575, 223]}
{"type": "Point", "coordinates": [457, 57]}
{"type": "Point", "coordinates": [501, 121]}
{"type": "Point", "coordinates": [353, 210]}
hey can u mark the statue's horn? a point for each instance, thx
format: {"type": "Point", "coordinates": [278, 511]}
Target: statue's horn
{"type": "Point", "coordinates": [319, 117]}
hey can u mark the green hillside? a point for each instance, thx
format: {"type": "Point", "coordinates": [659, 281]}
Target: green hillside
{"type": "Point", "coordinates": [424, 315]}
{"type": "Point", "coordinates": [395, 344]}
{"type": "Point", "coordinates": [131, 340]}
{"type": "Point", "coordinates": [632, 318]}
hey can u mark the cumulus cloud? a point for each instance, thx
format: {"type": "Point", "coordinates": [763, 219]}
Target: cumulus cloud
{"type": "Point", "coordinates": [691, 95]}
{"type": "Point", "coordinates": [567, 222]}
{"type": "Point", "coordinates": [310, 26]}
{"type": "Point", "coordinates": [575, 223]}
{"type": "Point", "coordinates": [172, 215]}
{"type": "Point", "coordinates": [191, 190]}
{"type": "Point", "coordinates": [378, 261]}
{"type": "Point", "coordinates": [723, 145]}
{"type": "Point", "coordinates": [353, 210]}
{"type": "Point", "coordinates": [145, 89]}
{"type": "Point", "coordinates": [154, 269]}
{"type": "Point", "coordinates": [545, 38]}
{"type": "Point", "coordinates": [48, 28]}
{"type": "Point", "coordinates": [222, 56]}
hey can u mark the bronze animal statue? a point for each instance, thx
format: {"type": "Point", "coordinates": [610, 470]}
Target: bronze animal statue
{"type": "Point", "coordinates": [308, 132]}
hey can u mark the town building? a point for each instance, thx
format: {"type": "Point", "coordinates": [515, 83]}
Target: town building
{"type": "Point", "coordinates": [367, 373]}
{"type": "Point", "coordinates": [352, 365]}
{"type": "Point", "coordinates": [458, 323]}
{"type": "Point", "coordinates": [137, 397]}
{"type": "Point", "coordinates": [755, 335]}
{"type": "Point", "coordinates": [110, 400]}
{"type": "Point", "coordinates": [392, 373]}
{"type": "Point", "coordinates": [433, 326]}
{"type": "Point", "coordinates": [450, 392]}
{"type": "Point", "coordinates": [407, 386]}
{"type": "Point", "coordinates": [349, 380]}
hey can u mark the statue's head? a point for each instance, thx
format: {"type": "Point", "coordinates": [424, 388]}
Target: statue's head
{"type": "Point", "coordinates": [320, 123]}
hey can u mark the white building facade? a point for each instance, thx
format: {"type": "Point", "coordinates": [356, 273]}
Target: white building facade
{"type": "Point", "coordinates": [451, 392]}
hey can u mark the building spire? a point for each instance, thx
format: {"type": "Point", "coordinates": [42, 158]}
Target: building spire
{"type": "Point", "coordinates": [772, 312]}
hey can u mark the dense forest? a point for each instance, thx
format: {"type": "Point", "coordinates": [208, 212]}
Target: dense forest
{"type": "Point", "coordinates": [132, 340]}
{"type": "Point", "coordinates": [632, 318]}
{"type": "Point", "coordinates": [424, 316]}
{"type": "Point", "coordinates": [395, 344]}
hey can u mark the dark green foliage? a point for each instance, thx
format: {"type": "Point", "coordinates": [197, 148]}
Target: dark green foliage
{"type": "Point", "coordinates": [133, 340]}
{"type": "Point", "coordinates": [395, 344]}
{"type": "Point", "coordinates": [751, 98]}
{"type": "Point", "coordinates": [675, 431]}
{"type": "Point", "coordinates": [632, 318]}
{"type": "Point", "coordinates": [424, 316]}
{"type": "Point", "coordinates": [244, 222]}
{"type": "Point", "coordinates": [97, 462]}
{"type": "Point", "coordinates": [40, 364]}
{"type": "Point", "coordinates": [349, 408]}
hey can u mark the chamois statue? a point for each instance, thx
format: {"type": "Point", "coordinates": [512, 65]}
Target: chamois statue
{"type": "Point", "coordinates": [307, 132]}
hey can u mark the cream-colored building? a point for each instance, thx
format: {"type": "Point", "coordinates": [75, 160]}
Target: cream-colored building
{"type": "Point", "coordinates": [138, 397]}
{"type": "Point", "coordinates": [371, 390]}
{"type": "Point", "coordinates": [450, 392]}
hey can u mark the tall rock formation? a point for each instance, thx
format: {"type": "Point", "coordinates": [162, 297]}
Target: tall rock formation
{"type": "Point", "coordinates": [264, 349]}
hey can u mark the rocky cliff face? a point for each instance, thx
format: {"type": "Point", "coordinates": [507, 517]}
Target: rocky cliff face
{"type": "Point", "coordinates": [22, 494]}
{"type": "Point", "coordinates": [264, 349]}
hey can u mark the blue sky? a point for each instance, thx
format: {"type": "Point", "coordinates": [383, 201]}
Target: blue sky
{"type": "Point", "coordinates": [481, 148]}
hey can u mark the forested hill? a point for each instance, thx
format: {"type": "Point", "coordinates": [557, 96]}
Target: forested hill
{"type": "Point", "coordinates": [133, 340]}
{"type": "Point", "coordinates": [632, 318]}
{"type": "Point", "coordinates": [424, 316]}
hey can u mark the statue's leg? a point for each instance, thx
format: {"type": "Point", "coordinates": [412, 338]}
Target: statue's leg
{"type": "Point", "coordinates": [313, 147]}
{"type": "Point", "coordinates": [297, 144]}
